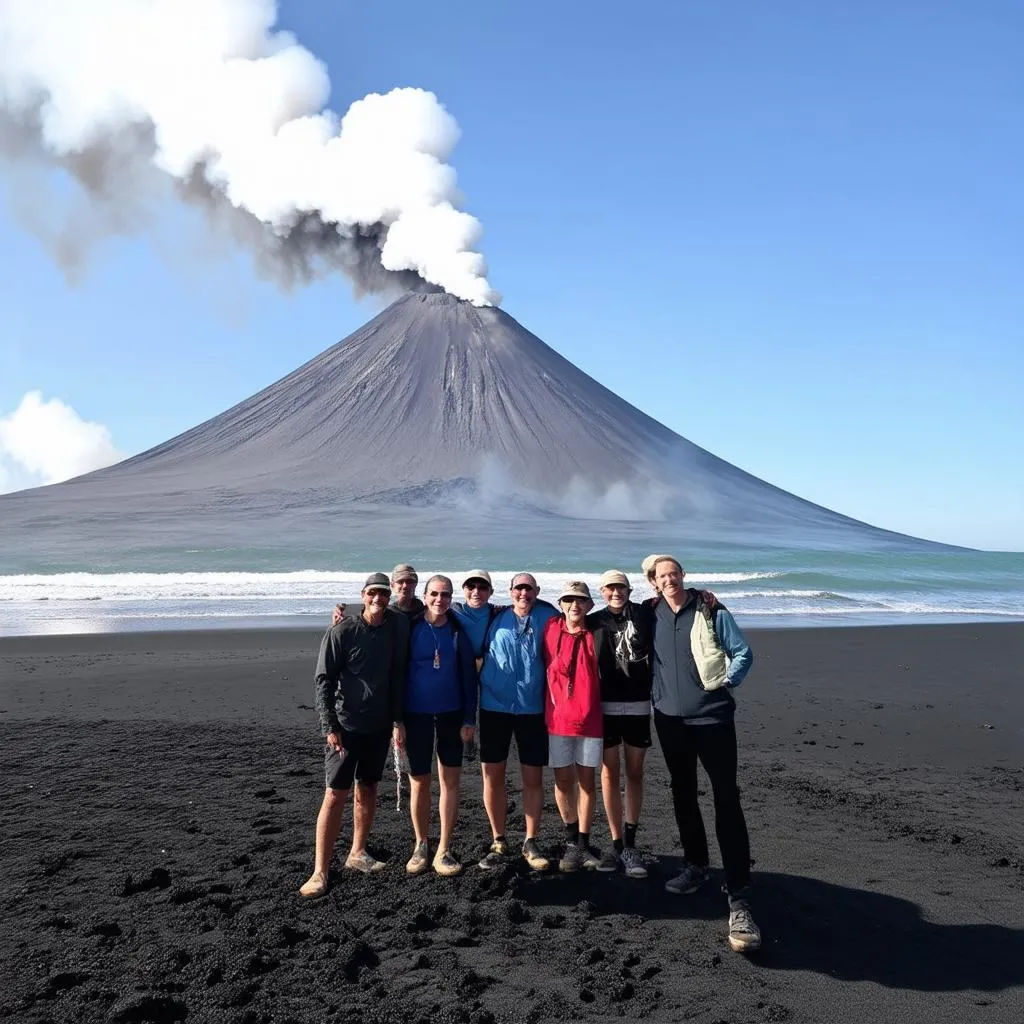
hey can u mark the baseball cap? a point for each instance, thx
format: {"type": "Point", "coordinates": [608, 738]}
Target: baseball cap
{"type": "Point", "coordinates": [404, 572]}
{"type": "Point", "coordinates": [575, 588]}
{"type": "Point", "coordinates": [611, 577]}
{"type": "Point", "coordinates": [377, 581]}
{"type": "Point", "coordinates": [524, 577]}
{"type": "Point", "coordinates": [478, 574]}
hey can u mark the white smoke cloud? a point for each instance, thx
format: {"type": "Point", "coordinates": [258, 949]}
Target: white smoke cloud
{"type": "Point", "coordinates": [45, 442]}
{"type": "Point", "coordinates": [206, 92]}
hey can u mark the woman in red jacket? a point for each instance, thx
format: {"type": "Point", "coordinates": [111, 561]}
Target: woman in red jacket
{"type": "Point", "coordinates": [573, 716]}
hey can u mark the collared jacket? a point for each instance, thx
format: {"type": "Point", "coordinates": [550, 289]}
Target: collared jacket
{"type": "Point", "coordinates": [360, 674]}
{"type": "Point", "coordinates": [678, 687]}
{"type": "Point", "coordinates": [573, 706]}
{"type": "Point", "coordinates": [512, 678]}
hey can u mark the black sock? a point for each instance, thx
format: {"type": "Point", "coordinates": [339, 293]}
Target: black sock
{"type": "Point", "coordinates": [572, 831]}
{"type": "Point", "coordinates": [499, 839]}
{"type": "Point", "coordinates": [617, 843]}
{"type": "Point", "coordinates": [630, 834]}
{"type": "Point", "coordinates": [584, 840]}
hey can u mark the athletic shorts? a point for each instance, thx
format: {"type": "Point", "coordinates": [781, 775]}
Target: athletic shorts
{"type": "Point", "coordinates": [420, 733]}
{"type": "Point", "coordinates": [564, 751]}
{"type": "Point", "coordinates": [365, 757]}
{"type": "Point", "coordinates": [497, 729]}
{"type": "Point", "coordinates": [633, 730]}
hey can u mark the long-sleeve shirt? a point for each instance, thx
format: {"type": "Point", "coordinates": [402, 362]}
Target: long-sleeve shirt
{"type": "Point", "coordinates": [677, 689]}
{"type": "Point", "coordinates": [573, 705]}
{"type": "Point", "coordinates": [474, 622]}
{"type": "Point", "coordinates": [360, 674]}
{"type": "Point", "coordinates": [442, 673]}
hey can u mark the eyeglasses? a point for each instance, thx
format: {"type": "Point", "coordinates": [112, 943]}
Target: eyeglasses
{"type": "Point", "coordinates": [477, 586]}
{"type": "Point", "coordinates": [522, 586]}
{"type": "Point", "coordinates": [440, 593]}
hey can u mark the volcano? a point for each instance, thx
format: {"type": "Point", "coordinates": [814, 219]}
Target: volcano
{"type": "Point", "coordinates": [438, 424]}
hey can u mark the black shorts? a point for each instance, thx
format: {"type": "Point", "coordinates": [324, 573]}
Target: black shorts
{"type": "Point", "coordinates": [365, 757]}
{"type": "Point", "coordinates": [420, 732]}
{"type": "Point", "coordinates": [497, 729]}
{"type": "Point", "coordinates": [633, 730]}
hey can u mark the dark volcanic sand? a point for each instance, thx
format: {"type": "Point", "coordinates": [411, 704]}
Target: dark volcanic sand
{"type": "Point", "coordinates": [158, 794]}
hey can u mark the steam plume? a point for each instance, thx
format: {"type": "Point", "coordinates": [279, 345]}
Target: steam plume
{"type": "Point", "coordinates": [122, 93]}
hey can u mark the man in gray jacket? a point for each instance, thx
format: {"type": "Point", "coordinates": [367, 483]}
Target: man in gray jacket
{"type": "Point", "coordinates": [700, 657]}
{"type": "Point", "coordinates": [360, 677]}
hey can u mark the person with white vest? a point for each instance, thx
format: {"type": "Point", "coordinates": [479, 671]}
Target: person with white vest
{"type": "Point", "coordinates": [700, 656]}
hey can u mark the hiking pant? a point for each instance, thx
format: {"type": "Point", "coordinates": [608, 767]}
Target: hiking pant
{"type": "Point", "coordinates": [715, 746]}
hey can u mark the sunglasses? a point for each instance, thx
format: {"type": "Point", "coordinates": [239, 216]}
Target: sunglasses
{"type": "Point", "coordinates": [477, 586]}
{"type": "Point", "coordinates": [574, 600]}
{"type": "Point", "coordinates": [440, 593]}
{"type": "Point", "coordinates": [522, 586]}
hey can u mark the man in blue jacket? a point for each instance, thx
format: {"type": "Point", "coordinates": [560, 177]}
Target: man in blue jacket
{"type": "Point", "coordinates": [512, 688]}
{"type": "Point", "coordinates": [700, 657]}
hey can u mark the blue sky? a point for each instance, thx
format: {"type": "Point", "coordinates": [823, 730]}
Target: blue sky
{"type": "Point", "coordinates": [793, 232]}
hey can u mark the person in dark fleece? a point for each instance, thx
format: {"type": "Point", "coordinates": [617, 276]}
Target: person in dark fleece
{"type": "Point", "coordinates": [360, 678]}
{"type": "Point", "coordinates": [403, 582]}
{"type": "Point", "coordinates": [700, 656]}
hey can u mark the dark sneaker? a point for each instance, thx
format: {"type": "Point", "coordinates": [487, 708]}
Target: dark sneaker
{"type": "Point", "coordinates": [495, 856]}
{"type": "Point", "coordinates": [591, 861]}
{"type": "Point", "coordinates": [632, 864]}
{"type": "Point", "coordinates": [609, 861]}
{"type": "Point", "coordinates": [364, 863]}
{"type": "Point", "coordinates": [572, 859]}
{"type": "Point", "coordinates": [533, 856]}
{"type": "Point", "coordinates": [744, 935]}
{"type": "Point", "coordinates": [690, 879]}
{"type": "Point", "coordinates": [417, 863]}
{"type": "Point", "coordinates": [445, 864]}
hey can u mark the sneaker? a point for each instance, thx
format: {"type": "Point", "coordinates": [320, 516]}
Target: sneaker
{"type": "Point", "coordinates": [365, 863]}
{"type": "Point", "coordinates": [690, 879]}
{"type": "Point", "coordinates": [572, 859]}
{"type": "Point", "coordinates": [533, 856]}
{"type": "Point", "coordinates": [495, 857]}
{"type": "Point", "coordinates": [591, 861]}
{"type": "Point", "coordinates": [445, 864]}
{"type": "Point", "coordinates": [632, 864]}
{"type": "Point", "coordinates": [744, 935]}
{"type": "Point", "coordinates": [417, 863]}
{"type": "Point", "coordinates": [609, 861]}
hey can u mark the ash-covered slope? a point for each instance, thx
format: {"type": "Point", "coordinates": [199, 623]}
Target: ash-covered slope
{"type": "Point", "coordinates": [432, 403]}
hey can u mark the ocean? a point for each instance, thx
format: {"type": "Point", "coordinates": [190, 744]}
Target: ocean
{"type": "Point", "coordinates": [766, 588]}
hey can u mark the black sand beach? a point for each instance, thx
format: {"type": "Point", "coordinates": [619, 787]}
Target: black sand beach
{"type": "Point", "coordinates": [158, 795]}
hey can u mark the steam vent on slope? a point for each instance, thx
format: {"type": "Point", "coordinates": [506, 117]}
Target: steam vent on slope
{"type": "Point", "coordinates": [437, 428]}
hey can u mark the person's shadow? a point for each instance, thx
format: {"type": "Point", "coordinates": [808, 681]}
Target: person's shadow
{"type": "Point", "coordinates": [811, 925]}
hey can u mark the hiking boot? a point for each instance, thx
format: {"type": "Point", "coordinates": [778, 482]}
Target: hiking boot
{"type": "Point", "coordinates": [533, 856]}
{"type": "Point", "coordinates": [744, 935]}
{"type": "Point", "coordinates": [609, 861]}
{"type": "Point", "coordinates": [690, 879]}
{"type": "Point", "coordinates": [446, 864]}
{"type": "Point", "coordinates": [572, 859]}
{"type": "Point", "coordinates": [495, 857]}
{"type": "Point", "coordinates": [591, 861]}
{"type": "Point", "coordinates": [417, 863]}
{"type": "Point", "coordinates": [632, 864]}
{"type": "Point", "coordinates": [365, 863]}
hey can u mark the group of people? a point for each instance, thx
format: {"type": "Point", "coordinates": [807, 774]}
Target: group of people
{"type": "Point", "coordinates": [573, 686]}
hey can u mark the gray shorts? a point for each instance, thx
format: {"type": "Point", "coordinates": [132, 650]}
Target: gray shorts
{"type": "Point", "coordinates": [564, 751]}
